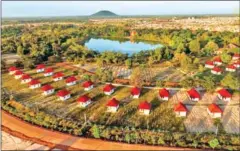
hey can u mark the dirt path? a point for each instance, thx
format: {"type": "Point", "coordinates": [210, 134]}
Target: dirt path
{"type": "Point", "coordinates": [61, 140]}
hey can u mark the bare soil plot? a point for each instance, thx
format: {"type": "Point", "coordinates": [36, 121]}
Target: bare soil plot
{"type": "Point", "coordinates": [10, 58]}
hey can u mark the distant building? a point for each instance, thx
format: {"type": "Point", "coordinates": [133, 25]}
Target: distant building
{"type": "Point", "coordinates": [108, 89]}
{"type": "Point", "coordinates": [231, 68]}
{"type": "Point", "coordinates": [71, 81]}
{"type": "Point", "coordinates": [58, 76]}
{"type": "Point", "coordinates": [88, 85]}
{"type": "Point", "coordinates": [64, 95]}
{"type": "Point", "coordinates": [112, 105]}
{"type": "Point", "coordinates": [47, 89]}
{"type": "Point", "coordinates": [224, 95]}
{"type": "Point", "coordinates": [214, 111]}
{"type": "Point", "coordinates": [34, 83]}
{"type": "Point", "coordinates": [216, 70]}
{"type": "Point", "coordinates": [40, 68]}
{"type": "Point", "coordinates": [180, 110]}
{"type": "Point", "coordinates": [217, 61]}
{"type": "Point", "coordinates": [209, 64]}
{"type": "Point", "coordinates": [84, 101]}
{"type": "Point", "coordinates": [164, 94]}
{"type": "Point", "coordinates": [144, 108]}
{"type": "Point", "coordinates": [193, 95]}
{"type": "Point", "coordinates": [135, 92]}
{"type": "Point", "coordinates": [48, 72]}
{"type": "Point", "coordinates": [18, 74]}
{"type": "Point", "coordinates": [26, 78]}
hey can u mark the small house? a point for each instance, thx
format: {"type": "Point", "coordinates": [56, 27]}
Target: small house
{"type": "Point", "coordinates": [84, 101]}
{"type": "Point", "coordinates": [224, 95]}
{"type": "Point", "coordinates": [237, 64]}
{"type": "Point", "coordinates": [47, 89]}
{"type": "Point", "coordinates": [214, 111]}
{"type": "Point", "coordinates": [217, 61]}
{"type": "Point", "coordinates": [63, 95]}
{"type": "Point", "coordinates": [193, 95]}
{"type": "Point", "coordinates": [209, 64]}
{"type": "Point", "coordinates": [236, 56]}
{"type": "Point", "coordinates": [26, 78]}
{"type": "Point", "coordinates": [231, 68]}
{"type": "Point", "coordinates": [12, 70]}
{"type": "Point", "coordinates": [164, 94]}
{"type": "Point", "coordinates": [71, 81]}
{"type": "Point", "coordinates": [135, 92]}
{"type": "Point", "coordinates": [18, 74]}
{"type": "Point", "coordinates": [88, 85]}
{"type": "Point", "coordinates": [34, 83]}
{"type": "Point", "coordinates": [40, 68]}
{"type": "Point", "coordinates": [48, 72]}
{"type": "Point", "coordinates": [58, 76]}
{"type": "Point", "coordinates": [144, 108]}
{"type": "Point", "coordinates": [108, 89]}
{"type": "Point", "coordinates": [112, 105]}
{"type": "Point", "coordinates": [216, 71]}
{"type": "Point", "coordinates": [180, 110]}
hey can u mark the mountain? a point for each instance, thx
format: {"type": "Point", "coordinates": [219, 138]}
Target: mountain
{"type": "Point", "coordinates": [104, 13]}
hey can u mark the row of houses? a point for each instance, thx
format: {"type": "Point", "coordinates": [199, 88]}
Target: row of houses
{"type": "Point", "coordinates": [213, 65]}
{"type": "Point", "coordinates": [113, 104]}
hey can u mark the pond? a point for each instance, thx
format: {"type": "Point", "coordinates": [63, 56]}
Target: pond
{"type": "Point", "coordinates": [122, 45]}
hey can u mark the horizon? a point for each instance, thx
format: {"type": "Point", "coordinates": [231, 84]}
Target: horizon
{"type": "Point", "coordinates": [48, 9]}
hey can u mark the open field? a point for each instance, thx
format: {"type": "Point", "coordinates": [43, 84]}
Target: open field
{"type": "Point", "coordinates": [161, 116]}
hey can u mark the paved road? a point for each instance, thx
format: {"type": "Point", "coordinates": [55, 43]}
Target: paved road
{"type": "Point", "coordinates": [46, 135]}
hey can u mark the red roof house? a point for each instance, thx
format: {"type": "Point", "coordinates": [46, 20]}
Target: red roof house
{"type": "Point", "coordinates": [217, 61]}
{"type": "Point", "coordinates": [71, 81]}
{"type": "Point", "coordinates": [135, 92]}
{"type": "Point", "coordinates": [34, 83]}
{"type": "Point", "coordinates": [108, 89]}
{"type": "Point", "coordinates": [84, 101]}
{"type": "Point", "coordinates": [26, 78]}
{"type": "Point", "coordinates": [48, 72]}
{"type": "Point", "coordinates": [63, 94]}
{"type": "Point", "coordinates": [164, 94]}
{"type": "Point", "coordinates": [88, 85]}
{"type": "Point", "coordinates": [144, 107]}
{"type": "Point", "coordinates": [216, 70]}
{"type": "Point", "coordinates": [12, 70]}
{"type": "Point", "coordinates": [112, 105]}
{"type": "Point", "coordinates": [40, 67]}
{"type": "Point", "coordinates": [58, 76]}
{"type": "Point", "coordinates": [47, 89]}
{"type": "Point", "coordinates": [237, 64]}
{"type": "Point", "coordinates": [193, 95]}
{"type": "Point", "coordinates": [224, 95]}
{"type": "Point", "coordinates": [214, 111]}
{"type": "Point", "coordinates": [231, 68]}
{"type": "Point", "coordinates": [209, 64]}
{"type": "Point", "coordinates": [236, 56]}
{"type": "Point", "coordinates": [180, 109]}
{"type": "Point", "coordinates": [18, 74]}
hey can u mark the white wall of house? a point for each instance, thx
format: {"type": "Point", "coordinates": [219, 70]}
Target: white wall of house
{"type": "Point", "coordinates": [71, 83]}
{"type": "Point", "coordinates": [230, 69]}
{"type": "Point", "coordinates": [112, 109]}
{"type": "Point", "coordinates": [84, 104]}
{"type": "Point", "coordinates": [145, 112]}
{"type": "Point", "coordinates": [136, 96]}
{"type": "Point", "coordinates": [35, 86]}
{"type": "Point", "coordinates": [12, 72]}
{"type": "Point", "coordinates": [88, 88]}
{"type": "Point", "coordinates": [40, 70]}
{"type": "Point", "coordinates": [48, 74]}
{"type": "Point", "coordinates": [110, 92]}
{"type": "Point", "coordinates": [26, 81]}
{"type": "Point", "coordinates": [164, 98]}
{"type": "Point", "coordinates": [18, 76]}
{"type": "Point", "coordinates": [65, 97]}
{"type": "Point", "coordinates": [181, 114]}
{"type": "Point", "coordinates": [214, 115]}
{"type": "Point", "coordinates": [209, 66]}
{"type": "Point", "coordinates": [58, 79]}
{"type": "Point", "coordinates": [193, 99]}
{"type": "Point", "coordinates": [235, 58]}
{"type": "Point", "coordinates": [217, 63]}
{"type": "Point", "coordinates": [224, 99]}
{"type": "Point", "coordinates": [48, 92]}
{"type": "Point", "coordinates": [237, 65]}
{"type": "Point", "coordinates": [214, 72]}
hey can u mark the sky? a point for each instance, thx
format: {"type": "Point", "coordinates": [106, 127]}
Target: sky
{"type": "Point", "coordinates": [82, 8]}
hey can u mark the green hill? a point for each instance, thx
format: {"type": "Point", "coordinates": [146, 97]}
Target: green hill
{"type": "Point", "coordinates": [104, 13]}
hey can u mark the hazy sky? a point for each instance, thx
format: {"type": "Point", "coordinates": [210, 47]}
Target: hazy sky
{"type": "Point", "coordinates": [78, 8]}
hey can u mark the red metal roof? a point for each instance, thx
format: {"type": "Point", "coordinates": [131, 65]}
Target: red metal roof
{"type": "Point", "coordinates": [217, 59]}
{"type": "Point", "coordinates": [224, 93]}
{"type": "Point", "coordinates": [209, 62]}
{"type": "Point", "coordinates": [48, 70]}
{"type": "Point", "coordinates": [180, 107]}
{"type": "Point", "coordinates": [63, 93]}
{"type": "Point", "coordinates": [144, 105]}
{"type": "Point", "coordinates": [108, 88]}
{"type": "Point", "coordinates": [113, 102]}
{"type": "Point", "coordinates": [164, 93]}
{"type": "Point", "coordinates": [87, 84]}
{"type": "Point", "coordinates": [18, 72]}
{"type": "Point", "coordinates": [135, 91]}
{"type": "Point", "coordinates": [25, 76]}
{"type": "Point", "coordinates": [231, 66]}
{"type": "Point", "coordinates": [83, 98]}
{"type": "Point", "coordinates": [40, 66]}
{"type": "Point", "coordinates": [58, 75]}
{"type": "Point", "coordinates": [217, 69]}
{"type": "Point", "coordinates": [71, 79]}
{"type": "Point", "coordinates": [214, 108]}
{"type": "Point", "coordinates": [33, 82]}
{"type": "Point", "coordinates": [47, 87]}
{"type": "Point", "coordinates": [12, 69]}
{"type": "Point", "coordinates": [193, 93]}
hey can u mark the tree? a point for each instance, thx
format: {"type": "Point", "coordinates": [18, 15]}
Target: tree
{"type": "Point", "coordinates": [226, 58]}
{"type": "Point", "coordinates": [160, 83]}
{"type": "Point", "coordinates": [95, 131]}
{"type": "Point", "coordinates": [128, 63]}
{"type": "Point", "coordinates": [211, 46]}
{"type": "Point", "coordinates": [230, 81]}
{"type": "Point", "coordinates": [150, 61]}
{"type": "Point", "coordinates": [188, 82]}
{"type": "Point", "coordinates": [194, 46]}
{"type": "Point", "coordinates": [213, 143]}
{"type": "Point", "coordinates": [137, 77]}
{"type": "Point", "coordinates": [127, 138]}
{"type": "Point", "coordinates": [209, 83]}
